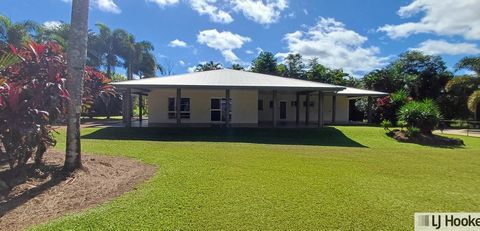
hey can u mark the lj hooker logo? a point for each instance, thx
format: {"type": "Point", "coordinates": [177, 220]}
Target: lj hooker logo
{"type": "Point", "coordinates": [447, 221]}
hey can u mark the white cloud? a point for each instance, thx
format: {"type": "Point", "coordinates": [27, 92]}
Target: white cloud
{"type": "Point", "coordinates": [177, 43]}
{"type": "Point", "coordinates": [163, 3]}
{"type": "Point", "coordinates": [52, 24]}
{"type": "Point", "coordinates": [209, 8]}
{"type": "Point", "coordinates": [249, 52]}
{"type": "Point", "coordinates": [107, 6]}
{"type": "Point", "coordinates": [438, 47]}
{"type": "Point", "coordinates": [260, 11]}
{"type": "Point", "coordinates": [181, 62]}
{"type": "Point", "coordinates": [335, 46]}
{"type": "Point", "coordinates": [191, 69]}
{"type": "Point", "coordinates": [442, 17]}
{"type": "Point", "coordinates": [224, 41]}
{"type": "Point", "coordinates": [103, 5]}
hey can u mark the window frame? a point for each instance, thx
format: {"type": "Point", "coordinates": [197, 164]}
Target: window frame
{"type": "Point", "coordinates": [184, 114]}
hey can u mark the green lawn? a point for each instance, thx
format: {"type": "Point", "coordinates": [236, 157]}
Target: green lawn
{"type": "Point", "coordinates": [334, 178]}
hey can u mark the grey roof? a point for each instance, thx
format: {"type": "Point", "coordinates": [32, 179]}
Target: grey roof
{"type": "Point", "coordinates": [350, 91]}
{"type": "Point", "coordinates": [227, 78]}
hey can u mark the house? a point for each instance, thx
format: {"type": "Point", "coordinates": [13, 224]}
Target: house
{"type": "Point", "coordinates": [242, 99]}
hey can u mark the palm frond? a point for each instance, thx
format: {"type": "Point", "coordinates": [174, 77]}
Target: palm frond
{"type": "Point", "coordinates": [473, 101]}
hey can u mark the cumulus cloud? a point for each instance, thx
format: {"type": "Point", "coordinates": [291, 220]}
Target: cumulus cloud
{"type": "Point", "coordinates": [260, 11]}
{"type": "Point", "coordinates": [163, 3]}
{"type": "Point", "coordinates": [103, 5]}
{"type": "Point", "coordinates": [442, 17]}
{"type": "Point", "coordinates": [177, 43]}
{"type": "Point", "coordinates": [208, 7]}
{"type": "Point", "coordinates": [52, 24]}
{"type": "Point", "coordinates": [224, 41]}
{"type": "Point", "coordinates": [439, 47]}
{"type": "Point", "coordinates": [335, 46]}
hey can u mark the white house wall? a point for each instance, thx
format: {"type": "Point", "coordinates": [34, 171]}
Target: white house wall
{"type": "Point", "coordinates": [244, 106]}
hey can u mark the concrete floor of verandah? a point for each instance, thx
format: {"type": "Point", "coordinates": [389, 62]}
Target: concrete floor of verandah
{"type": "Point", "coordinates": [460, 132]}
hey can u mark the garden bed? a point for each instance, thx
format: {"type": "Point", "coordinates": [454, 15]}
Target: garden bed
{"type": "Point", "coordinates": [424, 139]}
{"type": "Point", "coordinates": [48, 193]}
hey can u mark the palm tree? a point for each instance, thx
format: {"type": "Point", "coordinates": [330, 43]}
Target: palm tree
{"type": "Point", "coordinates": [107, 47]}
{"type": "Point", "coordinates": [16, 33]}
{"type": "Point", "coordinates": [473, 64]}
{"type": "Point", "coordinates": [470, 63]}
{"type": "Point", "coordinates": [76, 57]}
{"type": "Point", "coordinates": [208, 66]}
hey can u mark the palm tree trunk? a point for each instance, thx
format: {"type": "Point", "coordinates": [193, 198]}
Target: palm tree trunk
{"type": "Point", "coordinates": [76, 57]}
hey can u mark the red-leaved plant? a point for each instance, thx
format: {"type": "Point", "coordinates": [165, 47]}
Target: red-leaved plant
{"type": "Point", "coordinates": [96, 87]}
{"type": "Point", "coordinates": [32, 98]}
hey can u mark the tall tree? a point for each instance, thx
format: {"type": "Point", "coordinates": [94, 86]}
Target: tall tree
{"type": "Point", "coordinates": [76, 56]}
{"type": "Point", "coordinates": [428, 73]}
{"type": "Point", "coordinates": [208, 66]}
{"type": "Point", "coordinates": [265, 63]}
{"type": "Point", "coordinates": [320, 73]}
{"type": "Point", "coordinates": [295, 66]}
{"type": "Point", "coordinates": [470, 63]}
{"type": "Point", "coordinates": [237, 67]}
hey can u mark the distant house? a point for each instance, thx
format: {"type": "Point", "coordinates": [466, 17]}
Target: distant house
{"type": "Point", "coordinates": [243, 99]}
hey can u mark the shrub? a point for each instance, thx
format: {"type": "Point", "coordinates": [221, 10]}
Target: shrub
{"type": "Point", "coordinates": [386, 125]}
{"type": "Point", "coordinates": [32, 97]}
{"type": "Point", "coordinates": [424, 115]}
{"type": "Point", "coordinates": [402, 124]}
{"type": "Point", "coordinates": [388, 106]}
{"type": "Point", "coordinates": [412, 132]}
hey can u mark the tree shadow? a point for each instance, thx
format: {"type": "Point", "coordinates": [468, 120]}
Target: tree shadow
{"type": "Point", "coordinates": [327, 136]}
{"type": "Point", "coordinates": [14, 179]}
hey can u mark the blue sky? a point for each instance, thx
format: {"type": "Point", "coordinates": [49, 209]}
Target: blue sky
{"type": "Point", "coordinates": [357, 36]}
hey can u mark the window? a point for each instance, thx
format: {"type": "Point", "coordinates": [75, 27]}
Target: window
{"type": "Point", "coordinates": [293, 103]}
{"type": "Point", "coordinates": [260, 105]}
{"type": "Point", "coordinates": [218, 109]}
{"type": "Point", "coordinates": [271, 104]}
{"type": "Point", "coordinates": [184, 108]}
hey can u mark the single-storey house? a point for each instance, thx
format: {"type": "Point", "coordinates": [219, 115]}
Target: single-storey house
{"type": "Point", "coordinates": [242, 99]}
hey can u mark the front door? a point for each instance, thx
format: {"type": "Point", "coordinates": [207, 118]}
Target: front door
{"type": "Point", "coordinates": [283, 110]}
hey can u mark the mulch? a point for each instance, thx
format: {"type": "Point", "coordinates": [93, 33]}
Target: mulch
{"type": "Point", "coordinates": [47, 193]}
{"type": "Point", "coordinates": [426, 139]}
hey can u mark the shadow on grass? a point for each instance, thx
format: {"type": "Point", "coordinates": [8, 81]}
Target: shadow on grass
{"type": "Point", "coordinates": [328, 136]}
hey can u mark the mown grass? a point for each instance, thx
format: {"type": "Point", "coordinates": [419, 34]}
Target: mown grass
{"type": "Point", "coordinates": [335, 178]}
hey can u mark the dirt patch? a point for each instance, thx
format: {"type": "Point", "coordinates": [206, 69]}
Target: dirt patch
{"type": "Point", "coordinates": [47, 193]}
{"type": "Point", "coordinates": [424, 139]}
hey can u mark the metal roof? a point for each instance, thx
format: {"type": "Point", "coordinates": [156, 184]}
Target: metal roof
{"type": "Point", "coordinates": [227, 78]}
{"type": "Point", "coordinates": [350, 91]}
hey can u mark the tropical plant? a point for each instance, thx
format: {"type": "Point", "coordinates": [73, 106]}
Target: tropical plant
{"type": "Point", "coordinates": [413, 132]}
{"type": "Point", "coordinates": [16, 33]}
{"type": "Point", "coordinates": [32, 96]}
{"type": "Point", "coordinates": [265, 63]}
{"type": "Point", "coordinates": [76, 53]}
{"type": "Point", "coordinates": [237, 67]}
{"type": "Point", "coordinates": [424, 115]}
{"type": "Point", "coordinates": [96, 88]}
{"type": "Point", "coordinates": [208, 66]}
{"type": "Point", "coordinates": [387, 107]}
{"type": "Point", "coordinates": [8, 59]}
{"type": "Point", "coordinates": [471, 63]}
{"type": "Point", "coordinates": [386, 124]}
{"type": "Point", "coordinates": [474, 101]}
